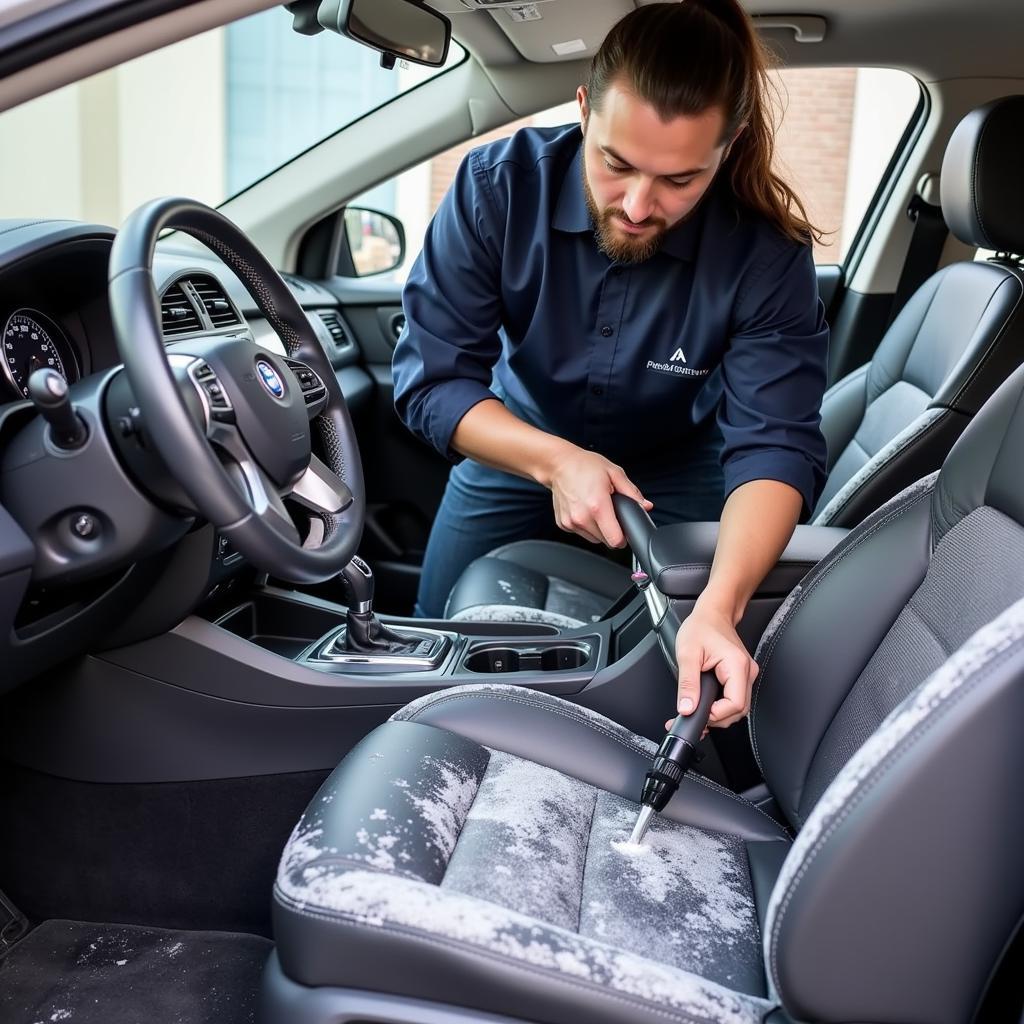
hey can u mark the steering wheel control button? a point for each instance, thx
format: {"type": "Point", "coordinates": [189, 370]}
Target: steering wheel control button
{"type": "Point", "coordinates": [215, 399]}
{"type": "Point", "coordinates": [311, 385]}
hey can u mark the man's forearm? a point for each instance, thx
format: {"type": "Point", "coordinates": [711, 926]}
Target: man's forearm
{"type": "Point", "coordinates": [490, 434]}
{"type": "Point", "coordinates": [757, 523]}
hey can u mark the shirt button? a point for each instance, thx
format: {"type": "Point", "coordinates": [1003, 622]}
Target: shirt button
{"type": "Point", "coordinates": [597, 390]}
{"type": "Point", "coordinates": [607, 331]}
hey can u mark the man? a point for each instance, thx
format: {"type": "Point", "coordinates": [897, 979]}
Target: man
{"type": "Point", "coordinates": [636, 292]}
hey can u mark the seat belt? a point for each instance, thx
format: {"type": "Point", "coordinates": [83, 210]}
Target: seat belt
{"type": "Point", "coordinates": [926, 243]}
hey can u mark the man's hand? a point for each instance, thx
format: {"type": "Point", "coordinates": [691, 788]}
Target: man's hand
{"type": "Point", "coordinates": [582, 484]}
{"type": "Point", "coordinates": [707, 641]}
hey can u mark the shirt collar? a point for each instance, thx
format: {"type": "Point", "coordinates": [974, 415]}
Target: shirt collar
{"type": "Point", "coordinates": [571, 214]}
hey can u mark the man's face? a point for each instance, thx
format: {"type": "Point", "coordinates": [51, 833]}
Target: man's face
{"type": "Point", "coordinates": [642, 176]}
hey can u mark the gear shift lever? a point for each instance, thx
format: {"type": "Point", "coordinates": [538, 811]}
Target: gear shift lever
{"type": "Point", "coordinates": [364, 633]}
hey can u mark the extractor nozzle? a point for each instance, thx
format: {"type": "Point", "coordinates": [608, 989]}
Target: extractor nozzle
{"type": "Point", "coordinates": [676, 754]}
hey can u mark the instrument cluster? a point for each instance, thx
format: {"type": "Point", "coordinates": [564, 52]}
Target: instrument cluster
{"type": "Point", "coordinates": [31, 340]}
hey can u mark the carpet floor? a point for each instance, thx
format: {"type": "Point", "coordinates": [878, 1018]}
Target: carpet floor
{"type": "Point", "coordinates": [79, 973]}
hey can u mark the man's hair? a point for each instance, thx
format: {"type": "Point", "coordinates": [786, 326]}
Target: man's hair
{"type": "Point", "coordinates": [685, 58]}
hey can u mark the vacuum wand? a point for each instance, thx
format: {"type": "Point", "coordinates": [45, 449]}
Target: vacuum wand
{"type": "Point", "coordinates": [675, 755]}
{"type": "Point", "coordinates": [679, 748]}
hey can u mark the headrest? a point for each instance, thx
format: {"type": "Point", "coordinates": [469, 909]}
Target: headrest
{"type": "Point", "coordinates": [982, 197]}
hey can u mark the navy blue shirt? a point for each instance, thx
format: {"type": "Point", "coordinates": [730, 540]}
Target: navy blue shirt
{"type": "Point", "coordinates": [511, 297]}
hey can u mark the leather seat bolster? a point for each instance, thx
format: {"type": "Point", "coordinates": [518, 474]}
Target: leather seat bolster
{"type": "Point", "coordinates": [980, 355]}
{"type": "Point", "coordinates": [369, 951]}
{"type": "Point", "coordinates": [978, 470]}
{"type": "Point", "coordinates": [912, 455]}
{"type": "Point", "coordinates": [543, 576]}
{"type": "Point", "coordinates": [587, 746]}
{"type": "Point", "coordinates": [813, 650]}
{"type": "Point", "coordinates": [911, 857]}
{"type": "Point", "coordinates": [582, 568]}
{"type": "Point", "coordinates": [494, 581]}
{"type": "Point", "coordinates": [842, 409]}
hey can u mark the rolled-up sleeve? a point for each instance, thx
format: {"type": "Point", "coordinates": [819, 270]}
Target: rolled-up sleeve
{"type": "Point", "coordinates": [773, 375]}
{"type": "Point", "coordinates": [452, 302]}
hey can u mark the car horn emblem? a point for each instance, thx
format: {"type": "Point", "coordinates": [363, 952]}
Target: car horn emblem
{"type": "Point", "coordinates": [269, 378]}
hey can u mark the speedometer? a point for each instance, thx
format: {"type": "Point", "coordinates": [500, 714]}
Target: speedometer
{"type": "Point", "coordinates": [32, 341]}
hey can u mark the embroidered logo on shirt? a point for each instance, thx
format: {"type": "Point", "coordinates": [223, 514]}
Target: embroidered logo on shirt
{"type": "Point", "coordinates": [676, 366]}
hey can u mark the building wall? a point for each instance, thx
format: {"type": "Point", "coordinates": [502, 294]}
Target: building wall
{"type": "Point", "coordinates": [97, 149]}
{"type": "Point", "coordinates": [813, 143]}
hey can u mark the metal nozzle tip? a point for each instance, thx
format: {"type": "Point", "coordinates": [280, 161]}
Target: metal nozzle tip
{"type": "Point", "coordinates": [642, 822]}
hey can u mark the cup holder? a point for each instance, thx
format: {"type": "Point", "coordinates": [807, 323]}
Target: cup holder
{"type": "Point", "coordinates": [554, 659]}
{"type": "Point", "coordinates": [535, 657]}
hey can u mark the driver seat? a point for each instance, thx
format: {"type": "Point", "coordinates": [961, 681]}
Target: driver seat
{"type": "Point", "coordinates": [460, 864]}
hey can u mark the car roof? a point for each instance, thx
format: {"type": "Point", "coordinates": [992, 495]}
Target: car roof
{"type": "Point", "coordinates": [935, 39]}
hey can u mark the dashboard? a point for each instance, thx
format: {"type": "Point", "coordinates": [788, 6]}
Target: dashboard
{"type": "Point", "coordinates": [54, 310]}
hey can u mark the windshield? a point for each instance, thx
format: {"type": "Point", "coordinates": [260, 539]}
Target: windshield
{"type": "Point", "coordinates": [204, 118]}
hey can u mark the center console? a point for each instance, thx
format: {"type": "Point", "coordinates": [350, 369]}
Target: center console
{"type": "Point", "coordinates": [269, 683]}
{"type": "Point", "coordinates": [310, 633]}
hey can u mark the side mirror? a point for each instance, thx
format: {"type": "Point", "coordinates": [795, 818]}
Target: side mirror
{"type": "Point", "coordinates": [400, 29]}
{"type": "Point", "coordinates": [375, 241]}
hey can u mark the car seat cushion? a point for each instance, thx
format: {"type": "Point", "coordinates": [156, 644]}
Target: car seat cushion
{"type": "Point", "coordinates": [423, 837]}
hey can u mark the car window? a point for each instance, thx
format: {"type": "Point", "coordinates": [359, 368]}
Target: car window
{"type": "Point", "coordinates": [203, 118]}
{"type": "Point", "coordinates": [840, 129]}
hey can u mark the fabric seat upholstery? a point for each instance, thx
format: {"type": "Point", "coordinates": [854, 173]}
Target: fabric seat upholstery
{"type": "Point", "coordinates": [468, 852]}
{"type": "Point", "coordinates": [518, 861]}
{"type": "Point", "coordinates": [893, 420]}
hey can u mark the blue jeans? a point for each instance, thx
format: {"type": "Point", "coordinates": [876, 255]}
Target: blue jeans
{"type": "Point", "coordinates": [483, 508]}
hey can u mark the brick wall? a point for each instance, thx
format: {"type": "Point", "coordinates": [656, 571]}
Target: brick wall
{"type": "Point", "coordinates": [812, 147]}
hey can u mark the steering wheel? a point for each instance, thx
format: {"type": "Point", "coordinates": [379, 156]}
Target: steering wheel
{"type": "Point", "coordinates": [230, 419]}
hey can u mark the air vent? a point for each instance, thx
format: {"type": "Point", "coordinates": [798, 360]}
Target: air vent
{"type": "Point", "coordinates": [218, 308]}
{"type": "Point", "coordinates": [333, 323]}
{"type": "Point", "coordinates": [177, 316]}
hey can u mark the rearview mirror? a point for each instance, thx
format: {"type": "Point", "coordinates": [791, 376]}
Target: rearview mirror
{"type": "Point", "coordinates": [398, 28]}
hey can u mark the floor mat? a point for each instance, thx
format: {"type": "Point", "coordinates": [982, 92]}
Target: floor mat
{"type": "Point", "coordinates": [78, 973]}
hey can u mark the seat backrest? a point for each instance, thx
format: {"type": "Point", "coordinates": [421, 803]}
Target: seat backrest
{"type": "Point", "coordinates": [956, 340]}
{"type": "Point", "coordinates": [887, 721]}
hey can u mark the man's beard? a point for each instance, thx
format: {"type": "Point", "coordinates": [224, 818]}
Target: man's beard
{"type": "Point", "coordinates": [614, 244]}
